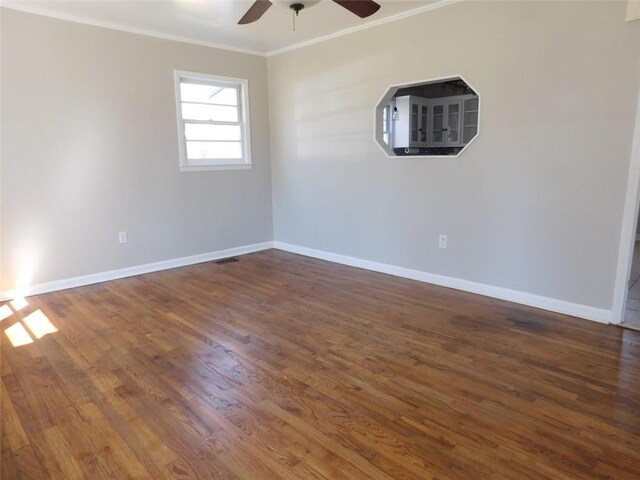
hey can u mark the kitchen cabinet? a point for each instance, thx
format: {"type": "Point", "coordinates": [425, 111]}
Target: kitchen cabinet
{"type": "Point", "coordinates": [411, 117]}
{"type": "Point", "coordinates": [434, 122]}
{"type": "Point", "coordinates": [470, 113]}
{"type": "Point", "coordinates": [453, 121]}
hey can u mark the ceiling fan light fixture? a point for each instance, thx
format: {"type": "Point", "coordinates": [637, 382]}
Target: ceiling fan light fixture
{"type": "Point", "coordinates": [361, 8]}
{"type": "Point", "coordinates": [289, 4]}
{"type": "Point", "coordinates": [296, 7]}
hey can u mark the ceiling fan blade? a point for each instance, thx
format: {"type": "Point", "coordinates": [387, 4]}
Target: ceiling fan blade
{"type": "Point", "coordinates": [255, 11]}
{"type": "Point", "coordinates": [362, 8]}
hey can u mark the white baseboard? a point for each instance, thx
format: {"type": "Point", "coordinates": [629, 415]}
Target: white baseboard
{"type": "Point", "coordinates": [545, 303]}
{"type": "Point", "coordinates": [130, 271]}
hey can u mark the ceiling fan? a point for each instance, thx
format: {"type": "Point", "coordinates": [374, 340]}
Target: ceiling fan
{"type": "Point", "coordinates": [361, 8]}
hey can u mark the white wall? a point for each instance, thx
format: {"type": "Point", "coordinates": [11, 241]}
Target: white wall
{"type": "Point", "coordinates": [534, 204]}
{"type": "Point", "coordinates": [89, 148]}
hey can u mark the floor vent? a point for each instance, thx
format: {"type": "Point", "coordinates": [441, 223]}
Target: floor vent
{"type": "Point", "coordinates": [225, 260]}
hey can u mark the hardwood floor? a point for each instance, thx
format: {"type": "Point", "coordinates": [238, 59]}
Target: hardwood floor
{"type": "Point", "coordinates": [283, 367]}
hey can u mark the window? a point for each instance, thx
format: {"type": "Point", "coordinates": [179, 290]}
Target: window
{"type": "Point", "coordinates": [213, 122]}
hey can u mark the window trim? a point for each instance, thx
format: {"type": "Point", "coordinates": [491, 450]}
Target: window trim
{"type": "Point", "coordinates": [242, 84]}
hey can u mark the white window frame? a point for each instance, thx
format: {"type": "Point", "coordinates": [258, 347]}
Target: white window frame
{"type": "Point", "coordinates": [197, 165]}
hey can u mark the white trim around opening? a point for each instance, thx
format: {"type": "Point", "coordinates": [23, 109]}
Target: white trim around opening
{"type": "Point", "coordinates": [628, 228]}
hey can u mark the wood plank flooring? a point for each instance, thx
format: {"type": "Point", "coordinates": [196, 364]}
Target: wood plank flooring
{"type": "Point", "coordinates": [284, 367]}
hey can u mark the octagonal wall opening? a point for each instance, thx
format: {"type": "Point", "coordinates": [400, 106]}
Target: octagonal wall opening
{"type": "Point", "coordinates": [432, 118]}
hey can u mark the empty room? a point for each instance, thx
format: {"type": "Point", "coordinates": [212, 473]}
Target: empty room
{"type": "Point", "coordinates": [319, 240]}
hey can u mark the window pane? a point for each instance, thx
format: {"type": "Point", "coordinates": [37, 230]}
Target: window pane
{"type": "Point", "coordinates": [194, 111]}
{"type": "Point", "coordinates": [202, 93]}
{"type": "Point", "coordinates": [214, 150]}
{"type": "Point", "coordinates": [198, 131]}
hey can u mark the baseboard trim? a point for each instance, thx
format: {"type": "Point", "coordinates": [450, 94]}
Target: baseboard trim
{"type": "Point", "coordinates": [545, 303]}
{"type": "Point", "coordinates": [130, 271]}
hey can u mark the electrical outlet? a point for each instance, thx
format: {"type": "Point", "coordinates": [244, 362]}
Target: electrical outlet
{"type": "Point", "coordinates": [442, 241]}
{"type": "Point", "coordinates": [122, 237]}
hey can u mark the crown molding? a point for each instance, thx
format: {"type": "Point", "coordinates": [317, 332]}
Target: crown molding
{"type": "Point", "coordinates": [364, 26]}
{"type": "Point", "coordinates": [138, 31]}
{"type": "Point", "coordinates": [152, 33]}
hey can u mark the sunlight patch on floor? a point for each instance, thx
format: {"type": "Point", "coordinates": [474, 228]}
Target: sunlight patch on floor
{"type": "Point", "coordinates": [39, 324]}
{"type": "Point", "coordinates": [17, 335]}
{"type": "Point", "coordinates": [19, 303]}
{"type": "Point", "coordinates": [5, 312]}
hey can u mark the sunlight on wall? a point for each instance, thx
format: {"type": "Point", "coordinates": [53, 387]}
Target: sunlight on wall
{"type": "Point", "coordinates": [333, 109]}
{"type": "Point", "coordinates": [27, 262]}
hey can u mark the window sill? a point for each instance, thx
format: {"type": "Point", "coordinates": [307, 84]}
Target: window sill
{"type": "Point", "coordinates": [202, 168]}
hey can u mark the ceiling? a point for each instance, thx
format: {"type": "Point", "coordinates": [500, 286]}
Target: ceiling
{"type": "Point", "coordinates": [215, 21]}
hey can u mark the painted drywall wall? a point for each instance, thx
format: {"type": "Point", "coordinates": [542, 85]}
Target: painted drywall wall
{"type": "Point", "coordinates": [633, 10]}
{"type": "Point", "coordinates": [534, 204]}
{"type": "Point", "coordinates": [90, 148]}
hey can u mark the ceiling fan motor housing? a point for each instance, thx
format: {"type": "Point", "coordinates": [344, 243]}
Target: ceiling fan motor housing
{"type": "Point", "coordinates": [296, 7]}
{"type": "Point", "coordinates": [289, 4]}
